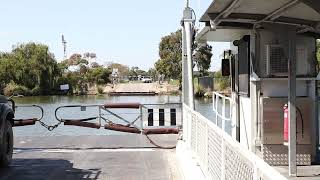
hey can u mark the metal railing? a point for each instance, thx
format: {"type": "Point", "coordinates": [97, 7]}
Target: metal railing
{"type": "Point", "coordinates": [222, 111]}
{"type": "Point", "coordinates": [220, 156]}
{"type": "Point", "coordinates": [135, 117]}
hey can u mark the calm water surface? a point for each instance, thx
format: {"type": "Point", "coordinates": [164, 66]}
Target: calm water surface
{"type": "Point", "coordinates": [50, 103]}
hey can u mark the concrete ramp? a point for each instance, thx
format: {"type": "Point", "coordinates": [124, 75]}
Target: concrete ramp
{"type": "Point", "coordinates": [92, 157]}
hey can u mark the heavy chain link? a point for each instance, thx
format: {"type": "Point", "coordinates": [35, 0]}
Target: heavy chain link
{"type": "Point", "coordinates": [49, 127]}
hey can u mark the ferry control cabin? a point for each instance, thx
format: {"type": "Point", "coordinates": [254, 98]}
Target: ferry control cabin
{"type": "Point", "coordinates": [266, 37]}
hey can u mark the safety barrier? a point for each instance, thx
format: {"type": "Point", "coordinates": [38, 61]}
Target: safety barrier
{"type": "Point", "coordinates": [222, 111]}
{"type": "Point", "coordinates": [160, 118]}
{"type": "Point", "coordinates": [220, 156]}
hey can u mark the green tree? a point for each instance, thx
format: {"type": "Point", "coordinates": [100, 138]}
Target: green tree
{"type": "Point", "coordinates": [133, 71]}
{"type": "Point", "coordinates": [74, 59]}
{"type": "Point", "coordinates": [152, 73]}
{"type": "Point", "coordinates": [202, 59]}
{"type": "Point", "coordinates": [30, 66]}
{"type": "Point", "coordinates": [170, 52]}
{"type": "Point", "coordinates": [98, 75]}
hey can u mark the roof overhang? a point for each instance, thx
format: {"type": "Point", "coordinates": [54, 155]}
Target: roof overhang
{"type": "Point", "coordinates": [221, 35]}
{"type": "Point", "coordinates": [247, 14]}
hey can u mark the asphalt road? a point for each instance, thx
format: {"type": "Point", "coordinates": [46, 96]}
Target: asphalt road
{"type": "Point", "coordinates": [127, 157]}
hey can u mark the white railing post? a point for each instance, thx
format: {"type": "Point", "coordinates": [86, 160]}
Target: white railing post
{"type": "Point", "coordinates": [223, 119]}
{"type": "Point", "coordinates": [216, 108]}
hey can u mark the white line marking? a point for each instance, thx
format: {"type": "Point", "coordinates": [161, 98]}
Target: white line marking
{"type": "Point", "coordinates": [83, 150]}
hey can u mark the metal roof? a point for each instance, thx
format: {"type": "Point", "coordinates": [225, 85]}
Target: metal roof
{"type": "Point", "coordinates": [246, 13]}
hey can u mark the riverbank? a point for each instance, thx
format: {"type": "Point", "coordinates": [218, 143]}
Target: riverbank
{"type": "Point", "coordinates": [139, 87]}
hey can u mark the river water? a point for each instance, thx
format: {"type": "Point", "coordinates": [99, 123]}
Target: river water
{"type": "Point", "coordinates": [50, 103]}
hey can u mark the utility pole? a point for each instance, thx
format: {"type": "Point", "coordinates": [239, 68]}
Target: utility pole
{"type": "Point", "coordinates": [64, 43]}
{"type": "Point", "coordinates": [188, 22]}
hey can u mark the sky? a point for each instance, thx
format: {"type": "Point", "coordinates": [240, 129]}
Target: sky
{"type": "Point", "coordinates": [126, 32]}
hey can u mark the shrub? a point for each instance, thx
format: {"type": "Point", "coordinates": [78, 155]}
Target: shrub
{"type": "Point", "coordinates": [101, 81]}
{"type": "Point", "coordinates": [13, 89]}
{"type": "Point", "coordinates": [199, 91]}
{"type": "Point", "coordinates": [224, 83]}
{"type": "Point", "coordinates": [35, 91]}
{"type": "Point", "coordinates": [9, 89]}
{"type": "Point", "coordinates": [100, 89]}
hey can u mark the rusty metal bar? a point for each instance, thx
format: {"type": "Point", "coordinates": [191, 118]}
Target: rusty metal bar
{"type": "Point", "coordinates": [161, 131]}
{"type": "Point", "coordinates": [81, 124]}
{"type": "Point", "coordinates": [122, 105]}
{"type": "Point", "coordinates": [122, 128]}
{"type": "Point", "coordinates": [24, 122]}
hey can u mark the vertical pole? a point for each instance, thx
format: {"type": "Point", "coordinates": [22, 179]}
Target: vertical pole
{"type": "Point", "coordinates": [292, 105]}
{"type": "Point", "coordinates": [188, 29]}
{"type": "Point", "coordinates": [187, 23]}
{"type": "Point", "coordinates": [216, 98]}
{"type": "Point", "coordinates": [100, 114]}
{"type": "Point", "coordinates": [184, 69]}
{"type": "Point", "coordinates": [223, 114]}
{"type": "Point", "coordinates": [141, 117]}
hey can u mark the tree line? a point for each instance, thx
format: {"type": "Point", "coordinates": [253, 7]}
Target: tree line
{"type": "Point", "coordinates": [31, 69]}
{"type": "Point", "coordinates": [28, 68]}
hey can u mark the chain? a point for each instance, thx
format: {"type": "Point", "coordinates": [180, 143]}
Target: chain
{"type": "Point", "coordinates": [49, 127]}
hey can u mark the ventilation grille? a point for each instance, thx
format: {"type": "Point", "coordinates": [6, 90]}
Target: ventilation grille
{"type": "Point", "coordinates": [277, 63]}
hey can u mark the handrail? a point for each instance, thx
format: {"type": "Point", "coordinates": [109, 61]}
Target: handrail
{"type": "Point", "coordinates": [32, 106]}
{"type": "Point", "coordinates": [219, 155]}
{"type": "Point", "coordinates": [216, 104]}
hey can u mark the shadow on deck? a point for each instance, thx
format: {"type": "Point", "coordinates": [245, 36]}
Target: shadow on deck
{"type": "Point", "coordinates": [92, 157]}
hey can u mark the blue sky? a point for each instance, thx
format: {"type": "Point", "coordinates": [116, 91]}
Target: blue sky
{"type": "Point", "coordinates": [121, 31]}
